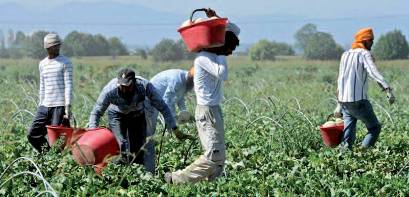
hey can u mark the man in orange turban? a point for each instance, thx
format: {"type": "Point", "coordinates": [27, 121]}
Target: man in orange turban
{"type": "Point", "coordinates": [355, 66]}
{"type": "Point", "coordinates": [363, 39]}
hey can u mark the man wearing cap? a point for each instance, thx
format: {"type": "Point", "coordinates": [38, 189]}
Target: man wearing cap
{"type": "Point", "coordinates": [56, 88]}
{"type": "Point", "coordinates": [356, 64]}
{"type": "Point", "coordinates": [172, 85]}
{"type": "Point", "coordinates": [124, 98]}
{"type": "Point", "coordinates": [210, 73]}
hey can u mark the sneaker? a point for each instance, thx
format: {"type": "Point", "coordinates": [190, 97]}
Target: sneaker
{"type": "Point", "coordinates": [168, 177]}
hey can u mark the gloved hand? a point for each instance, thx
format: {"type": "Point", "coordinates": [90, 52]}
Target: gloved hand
{"type": "Point", "coordinates": [184, 117]}
{"type": "Point", "coordinates": [337, 111]}
{"type": "Point", "coordinates": [67, 112]}
{"type": "Point", "coordinates": [390, 96]}
{"type": "Point", "coordinates": [181, 136]}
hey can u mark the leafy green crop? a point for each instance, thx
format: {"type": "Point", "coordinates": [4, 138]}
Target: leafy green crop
{"type": "Point", "coordinates": [272, 112]}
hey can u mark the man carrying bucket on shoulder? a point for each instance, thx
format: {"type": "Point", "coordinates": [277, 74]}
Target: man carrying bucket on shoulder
{"type": "Point", "coordinates": [124, 98]}
{"type": "Point", "coordinates": [172, 85]}
{"type": "Point", "coordinates": [56, 87]}
{"type": "Point", "coordinates": [356, 64]}
{"type": "Point", "coordinates": [210, 72]}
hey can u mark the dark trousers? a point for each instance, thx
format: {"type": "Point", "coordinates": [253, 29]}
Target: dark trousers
{"type": "Point", "coordinates": [38, 131]}
{"type": "Point", "coordinates": [129, 130]}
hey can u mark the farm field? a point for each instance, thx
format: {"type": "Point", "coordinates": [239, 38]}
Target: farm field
{"type": "Point", "coordinates": [272, 111]}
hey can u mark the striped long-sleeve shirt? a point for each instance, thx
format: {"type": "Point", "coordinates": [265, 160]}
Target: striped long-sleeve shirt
{"type": "Point", "coordinates": [354, 68]}
{"type": "Point", "coordinates": [56, 84]}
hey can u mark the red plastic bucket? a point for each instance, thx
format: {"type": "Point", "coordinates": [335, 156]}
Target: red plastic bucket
{"type": "Point", "coordinates": [332, 136]}
{"type": "Point", "coordinates": [95, 146]}
{"type": "Point", "coordinates": [54, 133]}
{"type": "Point", "coordinates": [206, 34]}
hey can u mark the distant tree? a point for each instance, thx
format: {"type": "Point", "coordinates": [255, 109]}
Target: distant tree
{"type": "Point", "coordinates": [117, 48]}
{"type": "Point", "coordinates": [101, 45]}
{"type": "Point", "coordinates": [3, 50]}
{"type": "Point", "coordinates": [392, 45]}
{"type": "Point", "coordinates": [317, 45]}
{"type": "Point", "coordinates": [141, 53]}
{"type": "Point", "coordinates": [304, 34]}
{"type": "Point", "coordinates": [186, 54]}
{"type": "Point", "coordinates": [321, 46]}
{"type": "Point", "coordinates": [10, 37]}
{"type": "Point", "coordinates": [167, 50]}
{"type": "Point", "coordinates": [282, 48]}
{"type": "Point", "coordinates": [72, 44]}
{"type": "Point", "coordinates": [262, 50]}
{"type": "Point", "coordinates": [35, 45]}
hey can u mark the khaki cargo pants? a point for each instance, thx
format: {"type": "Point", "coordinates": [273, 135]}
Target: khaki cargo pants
{"type": "Point", "coordinates": [209, 123]}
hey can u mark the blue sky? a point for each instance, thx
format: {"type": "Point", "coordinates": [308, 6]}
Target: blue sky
{"type": "Point", "coordinates": [307, 8]}
{"type": "Point", "coordinates": [259, 19]}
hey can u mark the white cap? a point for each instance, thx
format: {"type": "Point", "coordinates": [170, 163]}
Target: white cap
{"type": "Point", "coordinates": [51, 39]}
{"type": "Point", "coordinates": [233, 28]}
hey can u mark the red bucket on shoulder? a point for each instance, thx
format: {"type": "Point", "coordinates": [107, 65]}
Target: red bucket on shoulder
{"type": "Point", "coordinates": [94, 147]}
{"type": "Point", "coordinates": [205, 34]}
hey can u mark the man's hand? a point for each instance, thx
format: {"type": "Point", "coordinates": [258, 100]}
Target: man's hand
{"type": "Point", "coordinates": [210, 13]}
{"type": "Point", "coordinates": [390, 96]}
{"type": "Point", "coordinates": [337, 111]}
{"type": "Point", "coordinates": [67, 114]}
{"type": "Point", "coordinates": [181, 136]}
{"type": "Point", "coordinates": [184, 117]}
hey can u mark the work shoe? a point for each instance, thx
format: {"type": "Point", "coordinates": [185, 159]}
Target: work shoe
{"type": "Point", "coordinates": [168, 177]}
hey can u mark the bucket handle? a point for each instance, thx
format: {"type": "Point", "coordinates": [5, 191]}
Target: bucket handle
{"type": "Point", "coordinates": [330, 116]}
{"type": "Point", "coordinates": [206, 10]}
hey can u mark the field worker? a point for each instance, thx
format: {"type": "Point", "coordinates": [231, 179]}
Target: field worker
{"type": "Point", "coordinates": [172, 85]}
{"type": "Point", "coordinates": [356, 64]}
{"type": "Point", "coordinates": [210, 73]}
{"type": "Point", "coordinates": [124, 98]}
{"type": "Point", "coordinates": [56, 88]}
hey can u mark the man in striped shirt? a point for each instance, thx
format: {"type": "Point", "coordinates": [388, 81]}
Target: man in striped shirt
{"type": "Point", "coordinates": [356, 64]}
{"type": "Point", "coordinates": [55, 92]}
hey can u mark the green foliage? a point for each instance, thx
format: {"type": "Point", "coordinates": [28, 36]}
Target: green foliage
{"type": "Point", "coordinates": [262, 50]}
{"type": "Point", "coordinates": [141, 53]}
{"type": "Point", "coordinates": [271, 114]}
{"type": "Point", "coordinates": [282, 48]}
{"type": "Point", "coordinates": [34, 46]}
{"type": "Point", "coordinates": [74, 44]}
{"type": "Point", "coordinates": [392, 45]}
{"type": "Point", "coordinates": [303, 35]}
{"type": "Point", "coordinates": [317, 45]}
{"type": "Point", "coordinates": [167, 50]}
{"type": "Point", "coordinates": [321, 46]}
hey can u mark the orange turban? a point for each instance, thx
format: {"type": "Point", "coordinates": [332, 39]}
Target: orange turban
{"type": "Point", "coordinates": [362, 35]}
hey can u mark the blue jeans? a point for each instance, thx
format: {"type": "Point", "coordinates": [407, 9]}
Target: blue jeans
{"type": "Point", "coordinates": [360, 110]}
{"type": "Point", "coordinates": [129, 130]}
{"type": "Point", "coordinates": [151, 119]}
{"type": "Point", "coordinates": [38, 131]}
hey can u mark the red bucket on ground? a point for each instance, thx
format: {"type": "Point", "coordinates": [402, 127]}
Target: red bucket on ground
{"type": "Point", "coordinates": [332, 135]}
{"type": "Point", "coordinates": [55, 132]}
{"type": "Point", "coordinates": [94, 147]}
{"type": "Point", "coordinates": [205, 34]}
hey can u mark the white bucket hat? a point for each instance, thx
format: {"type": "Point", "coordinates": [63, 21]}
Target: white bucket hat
{"type": "Point", "coordinates": [51, 39]}
{"type": "Point", "coordinates": [233, 28]}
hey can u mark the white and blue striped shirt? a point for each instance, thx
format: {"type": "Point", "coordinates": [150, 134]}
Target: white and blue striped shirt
{"type": "Point", "coordinates": [56, 82]}
{"type": "Point", "coordinates": [354, 68]}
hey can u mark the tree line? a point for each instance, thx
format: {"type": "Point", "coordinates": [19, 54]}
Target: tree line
{"type": "Point", "coordinates": [18, 45]}
{"type": "Point", "coordinates": [310, 43]}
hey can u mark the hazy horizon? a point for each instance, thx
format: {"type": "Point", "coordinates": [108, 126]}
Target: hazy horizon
{"type": "Point", "coordinates": [145, 22]}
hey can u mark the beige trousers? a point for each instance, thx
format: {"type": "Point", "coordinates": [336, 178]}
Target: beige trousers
{"type": "Point", "coordinates": [209, 123]}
